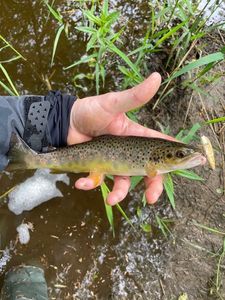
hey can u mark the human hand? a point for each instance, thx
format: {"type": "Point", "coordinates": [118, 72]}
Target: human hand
{"type": "Point", "coordinates": [105, 114]}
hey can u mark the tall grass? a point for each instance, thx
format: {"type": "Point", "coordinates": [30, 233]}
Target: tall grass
{"type": "Point", "coordinates": [102, 41]}
{"type": "Point", "coordinates": [13, 54]}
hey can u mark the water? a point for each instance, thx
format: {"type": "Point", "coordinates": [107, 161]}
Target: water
{"type": "Point", "coordinates": [71, 239]}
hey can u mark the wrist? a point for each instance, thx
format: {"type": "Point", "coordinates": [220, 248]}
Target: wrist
{"type": "Point", "coordinates": [75, 136]}
{"type": "Point", "coordinates": [71, 136]}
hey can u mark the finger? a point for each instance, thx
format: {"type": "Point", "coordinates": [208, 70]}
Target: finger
{"type": "Point", "coordinates": [90, 182]}
{"type": "Point", "coordinates": [120, 189]}
{"type": "Point", "coordinates": [154, 188]}
{"type": "Point", "coordinates": [117, 102]}
{"type": "Point", "coordinates": [129, 127]}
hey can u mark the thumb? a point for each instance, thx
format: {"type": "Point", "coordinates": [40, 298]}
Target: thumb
{"type": "Point", "coordinates": [121, 102]}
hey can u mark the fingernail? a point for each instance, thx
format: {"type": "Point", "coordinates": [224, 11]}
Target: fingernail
{"type": "Point", "coordinates": [156, 76]}
{"type": "Point", "coordinates": [88, 184]}
{"type": "Point", "coordinates": [153, 198]}
{"type": "Point", "coordinates": [112, 200]}
{"type": "Point", "coordinates": [115, 198]}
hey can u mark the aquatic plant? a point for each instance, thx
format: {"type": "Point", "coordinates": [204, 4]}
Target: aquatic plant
{"type": "Point", "coordinates": [102, 40]}
{"type": "Point", "coordinates": [7, 47]}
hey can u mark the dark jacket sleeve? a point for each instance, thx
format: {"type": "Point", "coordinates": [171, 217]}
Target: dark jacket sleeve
{"type": "Point", "coordinates": [11, 120]}
{"type": "Point", "coordinates": [14, 117]}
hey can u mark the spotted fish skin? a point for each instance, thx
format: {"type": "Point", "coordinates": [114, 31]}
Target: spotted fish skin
{"type": "Point", "coordinates": [115, 155]}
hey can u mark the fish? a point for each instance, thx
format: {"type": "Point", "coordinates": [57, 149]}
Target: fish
{"type": "Point", "coordinates": [110, 155]}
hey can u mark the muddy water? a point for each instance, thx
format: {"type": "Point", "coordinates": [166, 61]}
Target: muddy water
{"type": "Point", "coordinates": [71, 238]}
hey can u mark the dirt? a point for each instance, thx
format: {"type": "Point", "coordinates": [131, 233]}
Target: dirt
{"type": "Point", "coordinates": [191, 268]}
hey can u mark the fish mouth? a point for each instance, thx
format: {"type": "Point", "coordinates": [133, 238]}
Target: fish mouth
{"type": "Point", "coordinates": [196, 159]}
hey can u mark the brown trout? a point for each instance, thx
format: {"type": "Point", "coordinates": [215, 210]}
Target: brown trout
{"type": "Point", "coordinates": [115, 155]}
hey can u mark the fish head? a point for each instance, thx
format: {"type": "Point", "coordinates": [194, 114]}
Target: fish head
{"type": "Point", "coordinates": [178, 156]}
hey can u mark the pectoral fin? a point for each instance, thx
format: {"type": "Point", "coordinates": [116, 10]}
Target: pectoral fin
{"type": "Point", "coordinates": [96, 177]}
{"type": "Point", "coordinates": [151, 170]}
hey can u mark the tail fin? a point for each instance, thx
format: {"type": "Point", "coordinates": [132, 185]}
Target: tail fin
{"type": "Point", "coordinates": [20, 155]}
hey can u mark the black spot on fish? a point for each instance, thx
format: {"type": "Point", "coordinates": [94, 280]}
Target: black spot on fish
{"type": "Point", "coordinates": [169, 155]}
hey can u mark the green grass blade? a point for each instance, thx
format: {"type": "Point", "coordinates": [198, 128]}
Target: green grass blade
{"type": "Point", "coordinates": [56, 41]}
{"type": "Point", "coordinates": [216, 120]}
{"type": "Point", "coordinates": [188, 174]}
{"type": "Point", "coordinates": [55, 13]}
{"type": "Point", "coordinates": [103, 74]}
{"type": "Point", "coordinates": [169, 188]}
{"type": "Point", "coordinates": [135, 180]}
{"type": "Point", "coordinates": [218, 56]}
{"type": "Point", "coordinates": [109, 211]}
{"type": "Point", "coordinates": [7, 89]}
{"type": "Point", "coordinates": [7, 192]}
{"type": "Point", "coordinates": [10, 60]}
{"type": "Point", "coordinates": [91, 42]}
{"type": "Point", "coordinates": [92, 17]}
{"type": "Point", "coordinates": [112, 18]}
{"type": "Point", "coordinates": [4, 47]}
{"type": "Point", "coordinates": [191, 134]}
{"type": "Point", "coordinates": [213, 230]}
{"type": "Point", "coordinates": [197, 89]}
{"type": "Point", "coordinates": [168, 34]}
{"type": "Point", "coordinates": [161, 226]}
{"type": "Point", "coordinates": [83, 60]}
{"type": "Point", "coordinates": [9, 80]}
{"type": "Point", "coordinates": [142, 48]}
{"type": "Point", "coordinates": [116, 36]}
{"type": "Point", "coordinates": [125, 216]}
{"type": "Point", "coordinates": [206, 69]}
{"type": "Point", "coordinates": [105, 7]}
{"type": "Point", "coordinates": [114, 49]}
{"type": "Point", "coordinates": [7, 43]}
{"type": "Point", "coordinates": [97, 75]}
{"type": "Point", "coordinates": [86, 29]}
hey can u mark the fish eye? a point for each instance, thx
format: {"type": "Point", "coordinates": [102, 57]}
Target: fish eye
{"type": "Point", "coordinates": [180, 154]}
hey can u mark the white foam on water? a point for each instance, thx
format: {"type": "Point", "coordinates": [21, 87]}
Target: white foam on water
{"type": "Point", "coordinates": [23, 232]}
{"type": "Point", "coordinates": [6, 255]}
{"type": "Point", "coordinates": [37, 189]}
